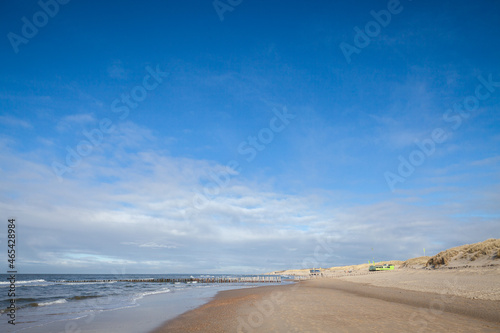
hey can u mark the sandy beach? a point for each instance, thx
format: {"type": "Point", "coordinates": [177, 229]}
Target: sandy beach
{"type": "Point", "coordinates": [404, 300]}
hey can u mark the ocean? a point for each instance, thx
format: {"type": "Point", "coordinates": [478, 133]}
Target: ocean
{"type": "Point", "coordinates": [44, 303]}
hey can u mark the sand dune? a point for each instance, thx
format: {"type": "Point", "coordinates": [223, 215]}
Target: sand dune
{"type": "Point", "coordinates": [483, 254]}
{"type": "Point", "coordinates": [477, 254]}
{"type": "Point", "coordinates": [418, 262]}
{"type": "Point", "coordinates": [336, 269]}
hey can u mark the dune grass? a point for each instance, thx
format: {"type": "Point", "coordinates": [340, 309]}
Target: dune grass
{"type": "Point", "coordinates": [490, 249]}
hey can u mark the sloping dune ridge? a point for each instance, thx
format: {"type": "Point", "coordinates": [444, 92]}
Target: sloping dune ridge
{"type": "Point", "coordinates": [481, 254]}
{"type": "Point", "coordinates": [477, 254]}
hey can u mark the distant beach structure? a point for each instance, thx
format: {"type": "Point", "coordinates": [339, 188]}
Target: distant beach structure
{"type": "Point", "coordinates": [385, 267]}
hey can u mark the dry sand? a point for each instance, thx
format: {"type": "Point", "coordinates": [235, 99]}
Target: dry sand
{"type": "Point", "coordinates": [463, 295]}
{"type": "Point", "coordinates": [472, 283]}
{"type": "Point", "coordinates": [339, 305]}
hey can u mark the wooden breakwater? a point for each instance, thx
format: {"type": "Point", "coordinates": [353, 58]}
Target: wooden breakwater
{"type": "Point", "coordinates": [335, 274]}
{"type": "Point", "coordinates": [214, 279]}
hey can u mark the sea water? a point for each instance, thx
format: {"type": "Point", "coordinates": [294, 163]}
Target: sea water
{"type": "Point", "coordinates": [48, 303]}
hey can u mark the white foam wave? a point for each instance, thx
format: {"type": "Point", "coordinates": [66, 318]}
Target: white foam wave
{"type": "Point", "coordinates": [78, 283]}
{"type": "Point", "coordinates": [148, 293]}
{"type": "Point", "coordinates": [59, 301]}
{"type": "Point", "coordinates": [161, 291]}
{"type": "Point", "coordinates": [23, 282]}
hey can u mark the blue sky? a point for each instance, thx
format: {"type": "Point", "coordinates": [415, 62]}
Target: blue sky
{"type": "Point", "coordinates": [183, 137]}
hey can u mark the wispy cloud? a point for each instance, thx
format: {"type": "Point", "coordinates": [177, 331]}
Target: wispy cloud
{"type": "Point", "coordinates": [140, 206]}
{"type": "Point", "coordinates": [486, 161]}
{"type": "Point", "coordinates": [14, 122]}
{"type": "Point", "coordinates": [117, 71]}
{"type": "Point", "coordinates": [73, 121]}
{"type": "Point", "coordinates": [80, 118]}
{"type": "Point", "coordinates": [150, 245]}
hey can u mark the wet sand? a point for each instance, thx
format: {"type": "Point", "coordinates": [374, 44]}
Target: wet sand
{"type": "Point", "coordinates": [336, 305]}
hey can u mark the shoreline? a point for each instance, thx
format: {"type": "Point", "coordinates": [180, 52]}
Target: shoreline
{"type": "Point", "coordinates": [318, 305]}
{"type": "Point", "coordinates": [148, 313]}
{"type": "Point", "coordinates": [213, 315]}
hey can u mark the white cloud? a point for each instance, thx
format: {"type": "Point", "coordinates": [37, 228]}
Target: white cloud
{"type": "Point", "coordinates": [486, 161]}
{"type": "Point", "coordinates": [127, 206]}
{"type": "Point", "coordinates": [150, 245]}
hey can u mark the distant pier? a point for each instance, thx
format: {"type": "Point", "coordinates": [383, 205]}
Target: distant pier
{"type": "Point", "coordinates": [218, 279]}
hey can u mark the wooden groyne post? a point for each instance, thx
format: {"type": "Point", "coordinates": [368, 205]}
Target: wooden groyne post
{"type": "Point", "coordinates": [214, 279]}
